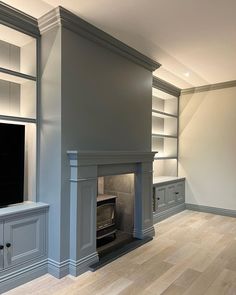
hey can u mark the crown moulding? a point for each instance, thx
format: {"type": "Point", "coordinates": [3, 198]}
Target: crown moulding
{"type": "Point", "coordinates": [166, 87]}
{"type": "Point", "coordinates": [16, 19]}
{"type": "Point", "coordinates": [62, 17]}
{"type": "Point", "coordinates": [209, 87]}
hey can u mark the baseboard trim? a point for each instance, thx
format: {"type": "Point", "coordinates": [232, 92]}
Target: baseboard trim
{"type": "Point", "coordinates": [168, 213]}
{"type": "Point", "coordinates": [22, 276]}
{"type": "Point", "coordinates": [58, 269]}
{"type": "Point", "coordinates": [144, 233]}
{"type": "Point", "coordinates": [213, 210]}
{"type": "Point", "coordinates": [82, 265]}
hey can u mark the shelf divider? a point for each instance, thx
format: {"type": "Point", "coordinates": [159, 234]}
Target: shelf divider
{"type": "Point", "coordinates": [164, 135]}
{"type": "Point", "coordinates": [16, 77]}
{"type": "Point", "coordinates": [17, 119]}
{"type": "Point", "coordinates": [159, 114]}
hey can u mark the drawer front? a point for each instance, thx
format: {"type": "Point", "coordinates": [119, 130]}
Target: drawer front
{"type": "Point", "coordinates": [161, 199]}
{"type": "Point", "coordinates": [26, 237]}
{"type": "Point", "coordinates": [180, 192]}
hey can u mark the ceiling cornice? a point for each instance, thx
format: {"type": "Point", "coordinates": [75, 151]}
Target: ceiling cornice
{"type": "Point", "coordinates": [166, 87]}
{"type": "Point", "coordinates": [62, 17]}
{"type": "Point", "coordinates": [203, 88]}
{"type": "Point", "coordinates": [16, 19]}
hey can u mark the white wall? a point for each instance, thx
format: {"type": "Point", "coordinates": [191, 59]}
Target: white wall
{"type": "Point", "coordinates": [207, 147]}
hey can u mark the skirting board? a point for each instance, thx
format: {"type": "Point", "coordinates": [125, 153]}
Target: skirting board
{"type": "Point", "coordinates": [213, 210]}
{"type": "Point", "coordinates": [23, 276]}
{"type": "Point", "coordinates": [58, 269]}
{"type": "Point", "coordinates": [144, 233]}
{"type": "Point", "coordinates": [167, 213]}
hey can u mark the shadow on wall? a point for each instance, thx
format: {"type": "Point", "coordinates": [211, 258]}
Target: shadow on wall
{"type": "Point", "coordinates": [189, 105]}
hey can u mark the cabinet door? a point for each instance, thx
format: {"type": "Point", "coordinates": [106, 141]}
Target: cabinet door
{"type": "Point", "coordinates": [24, 238]}
{"type": "Point", "coordinates": [180, 192]}
{"type": "Point", "coordinates": [171, 199]}
{"type": "Point", "coordinates": [1, 246]}
{"type": "Point", "coordinates": [161, 198]}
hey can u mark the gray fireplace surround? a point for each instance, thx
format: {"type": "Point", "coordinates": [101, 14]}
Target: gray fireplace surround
{"type": "Point", "coordinates": [85, 168]}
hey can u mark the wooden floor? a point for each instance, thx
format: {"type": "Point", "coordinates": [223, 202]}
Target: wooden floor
{"type": "Point", "coordinates": [193, 253]}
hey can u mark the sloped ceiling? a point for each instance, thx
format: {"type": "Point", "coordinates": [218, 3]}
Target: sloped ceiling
{"type": "Point", "coordinates": [194, 40]}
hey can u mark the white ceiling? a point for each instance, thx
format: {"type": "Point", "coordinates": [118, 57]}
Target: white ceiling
{"type": "Point", "coordinates": [194, 40]}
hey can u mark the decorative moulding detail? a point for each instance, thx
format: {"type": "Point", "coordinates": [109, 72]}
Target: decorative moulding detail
{"type": "Point", "coordinates": [81, 158]}
{"type": "Point", "coordinates": [16, 19]}
{"type": "Point", "coordinates": [166, 87]}
{"type": "Point", "coordinates": [209, 87]}
{"type": "Point", "coordinates": [61, 16]}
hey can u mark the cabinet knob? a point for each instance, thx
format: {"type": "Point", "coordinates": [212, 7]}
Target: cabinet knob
{"type": "Point", "coordinates": [8, 245]}
{"type": "Point", "coordinates": [1, 247]}
{"type": "Point", "coordinates": [158, 198]}
{"type": "Point", "coordinates": [176, 193]}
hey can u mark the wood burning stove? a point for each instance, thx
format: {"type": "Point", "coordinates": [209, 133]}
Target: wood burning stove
{"type": "Point", "coordinates": [106, 216]}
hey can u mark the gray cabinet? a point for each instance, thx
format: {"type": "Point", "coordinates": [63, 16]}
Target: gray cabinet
{"type": "Point", "coordinates": [24, 239]}
{"type": "Point", "coordinates": [168, 198]}
{"type": "Point", "coordinates": [23, 236]}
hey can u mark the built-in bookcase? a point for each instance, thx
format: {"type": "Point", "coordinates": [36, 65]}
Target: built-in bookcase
{"type": "Point", "coordinates": [18, 94]}
{"type": "Point", "coordinates": [164, 131]}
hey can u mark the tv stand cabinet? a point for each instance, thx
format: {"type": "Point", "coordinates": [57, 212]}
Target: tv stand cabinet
{"type": "Point", "coordinates": [23, 243]}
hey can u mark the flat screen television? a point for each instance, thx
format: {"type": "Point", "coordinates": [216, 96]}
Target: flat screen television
{"type": "Point", "coordinates": [12, 154]}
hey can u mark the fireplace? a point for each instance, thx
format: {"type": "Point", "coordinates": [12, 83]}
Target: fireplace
{"type": "Point", "coordinates": [106, 216]}
{"type": "Point", "coordinates": [85, 169]}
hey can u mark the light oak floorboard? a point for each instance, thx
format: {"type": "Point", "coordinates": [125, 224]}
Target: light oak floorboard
{"type": "Point", "coordinates": [193, 253]}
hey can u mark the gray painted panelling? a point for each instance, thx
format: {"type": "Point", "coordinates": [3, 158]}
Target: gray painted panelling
{"type": "Point", "coordinates": [91, 99]}
{"type": "Point", "coordinates": [50, 137]}
{"type": "Point", "coordinates": [27, 238]}
{"type": "Point", "coordinates": [25, 227]}
{"type": "Point", "coordinates": [107, 97]}
{"type": "Point", "coordinates": [169, 199]}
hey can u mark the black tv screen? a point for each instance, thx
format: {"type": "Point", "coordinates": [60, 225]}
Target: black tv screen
{"type": "Point", "coordinates": [12, 151]}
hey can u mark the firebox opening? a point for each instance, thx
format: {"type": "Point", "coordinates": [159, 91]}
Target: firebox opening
{"type": "Point", "coordinates": [115, 212]}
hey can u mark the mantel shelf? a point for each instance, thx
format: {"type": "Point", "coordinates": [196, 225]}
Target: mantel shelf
{"type": "Point", "coordinates": [164, 135]}
{"type": "Point", "coordinates": [17, 119]}
{"type": "Point", "coordinates": [15, 77]}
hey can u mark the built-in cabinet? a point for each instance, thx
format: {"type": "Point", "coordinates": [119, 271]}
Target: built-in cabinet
{"type": "Point", "coordinates": [23, 240]}
{"type": "Point", "coordinates": [18, 94]}
{"type": "Point", "coordinates": [23, 227]}
{"type": "Point", "coordinates": [168, 197]}
{"type": "Point", "coordinates": [165, 133]}
{"type": "Point", "coordinates": [168, 188]}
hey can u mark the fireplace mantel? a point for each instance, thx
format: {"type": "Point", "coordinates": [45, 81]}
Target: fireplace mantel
{"type": "Point", "coordinates": [109, 157]}
{"type": "Point", "coordinates": [85, 168]}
